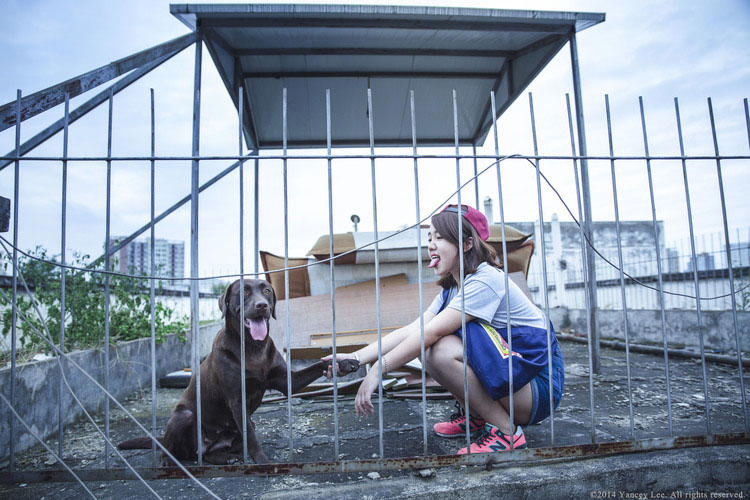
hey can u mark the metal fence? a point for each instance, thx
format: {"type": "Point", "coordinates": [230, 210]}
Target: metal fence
{"type": "Point", "coordinates": [419, 215]}
{"type": "Point", "coordinates": [678, 266]}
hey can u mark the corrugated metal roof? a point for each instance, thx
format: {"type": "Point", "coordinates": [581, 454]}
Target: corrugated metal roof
{"type": "Point", "coordinates": [392, 50]}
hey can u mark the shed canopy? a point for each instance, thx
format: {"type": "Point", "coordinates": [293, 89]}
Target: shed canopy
{"type": "Point", "coordinates": [391, 50]}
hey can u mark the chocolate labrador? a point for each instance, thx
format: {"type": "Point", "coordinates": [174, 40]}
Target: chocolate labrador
{"type": "Point", "coordinates": [221, 400]}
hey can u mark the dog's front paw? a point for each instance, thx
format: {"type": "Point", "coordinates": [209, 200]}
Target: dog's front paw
{"type": "Point", "coordinates": [348, 366]}
{"type": "Point", "coordinates": [261, 458]}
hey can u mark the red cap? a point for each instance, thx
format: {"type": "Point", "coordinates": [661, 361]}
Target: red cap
{"type": "Point", "coordinates": [474, 217]}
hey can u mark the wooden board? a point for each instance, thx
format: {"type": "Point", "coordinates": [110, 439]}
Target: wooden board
{"type": "Point", "coordinates": [344, 388]}
{"type": "Point", "coordinates": [317, 352]}
{"type": "Point", "coordinates": [418, 395]}
{"type": "Point", "coordinates": [366, 336]}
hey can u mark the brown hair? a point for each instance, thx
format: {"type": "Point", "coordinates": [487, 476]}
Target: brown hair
{"type": "Point", "coordinates": [445, 224]}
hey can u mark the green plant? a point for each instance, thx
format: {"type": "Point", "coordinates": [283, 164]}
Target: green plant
{"type": "Point", "coordinates": [129, 306]}
{"type": "Point", "coordinates": [218, 286]}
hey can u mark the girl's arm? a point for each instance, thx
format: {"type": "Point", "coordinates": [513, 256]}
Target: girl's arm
{"type": "Point", "coordinates": [409, 347]}
{"type": "Point", "coordinates": [369, 353]}
{"type": "Point", "coordinates": [445, 323]}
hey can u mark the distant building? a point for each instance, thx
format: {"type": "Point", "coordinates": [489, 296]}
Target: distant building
{"type": "Point", "coordinates": [562, 248]}
{"type": "Point", "coordinates": [135, 257]}
{"type": "Point", "coordinates": [740, 254]}
{"type": "Point", "coordinates": [562, 242]}
{"type": "Point", "coordinates": [673, 261]}
{"type": "Point", "coordinates": [706, 262]}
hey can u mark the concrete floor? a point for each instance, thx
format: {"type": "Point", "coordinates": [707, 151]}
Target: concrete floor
{"type": "Point", "coordinates": [722, 469]}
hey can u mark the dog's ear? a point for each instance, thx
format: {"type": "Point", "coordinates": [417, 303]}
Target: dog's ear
{"type": "Point", "coordinates": [224, 301]}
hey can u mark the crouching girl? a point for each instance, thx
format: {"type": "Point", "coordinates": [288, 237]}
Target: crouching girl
{"type": "Point", "coordinates": [485, 300]}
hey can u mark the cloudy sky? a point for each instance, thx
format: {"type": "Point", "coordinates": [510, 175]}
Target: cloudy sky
{"type": "Point", "coordinates": [658, 50]}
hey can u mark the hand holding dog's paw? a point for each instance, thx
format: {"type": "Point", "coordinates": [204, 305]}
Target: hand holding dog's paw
{"type": "Point", "coordinates": [347, 366]}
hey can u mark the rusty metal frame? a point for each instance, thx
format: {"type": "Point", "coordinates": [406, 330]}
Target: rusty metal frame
{"type": "Point", "coordinates": [141, 64]}
{"type": "Point", "coordinates": [41, 101]}
{"type": "Point", "coordinates": [530, 456]}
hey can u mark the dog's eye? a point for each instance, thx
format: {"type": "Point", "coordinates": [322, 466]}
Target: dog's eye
{"type": "Point", "coordinates": [267, 291]}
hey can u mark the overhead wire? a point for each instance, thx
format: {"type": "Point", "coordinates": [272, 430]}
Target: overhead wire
{"type": "Point", "coordinates": [381, 239]}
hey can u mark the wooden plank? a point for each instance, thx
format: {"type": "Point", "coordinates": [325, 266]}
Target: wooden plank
{"type": "Point", "coordinates": [367, 336]}
{"type": "Point", "coordinates": [418, 395]}
{"type": "Point", "coordinates": [317, 352]}
{"type": "Point", "coordinates": [345, 388]}
{"type": "Point", "coordinates": [312, 315]}
{"type": "Point", "coordinates": [415, 382]}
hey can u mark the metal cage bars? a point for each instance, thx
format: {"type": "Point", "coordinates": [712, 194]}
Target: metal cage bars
{"type": "Point", "coordinates": [285, 156]}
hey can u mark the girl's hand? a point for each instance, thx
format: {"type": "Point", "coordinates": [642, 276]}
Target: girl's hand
{"type": "Point", "coordinates": [328, 372]}
{"type": "Point", "coordinates": [363, 403]}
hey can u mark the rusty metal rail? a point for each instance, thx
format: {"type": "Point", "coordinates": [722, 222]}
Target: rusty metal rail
{"type": "Point", "coordinates": [531, 456]}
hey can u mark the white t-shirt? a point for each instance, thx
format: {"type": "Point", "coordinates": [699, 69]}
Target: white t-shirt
{"type": "Point", "coordinates": [484, 298]}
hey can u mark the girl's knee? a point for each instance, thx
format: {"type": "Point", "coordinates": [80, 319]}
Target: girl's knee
{"type": "Point", "coordinates": [442, 352]}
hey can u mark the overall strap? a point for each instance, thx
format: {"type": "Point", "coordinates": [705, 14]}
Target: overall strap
{"type": "Point", "coordinates": [445, 299]}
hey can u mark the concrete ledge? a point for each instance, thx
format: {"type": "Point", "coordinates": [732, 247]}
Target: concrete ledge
{"type": "Point", "coordinates": [642, 475]}
{"type": "Point", "coordinates": [36, 389]}
{"type": "Point", "coordinates": [644, 326]}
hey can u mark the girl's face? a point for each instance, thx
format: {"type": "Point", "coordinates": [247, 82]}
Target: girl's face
{"type": "Point", "coordinates": [443, 253]}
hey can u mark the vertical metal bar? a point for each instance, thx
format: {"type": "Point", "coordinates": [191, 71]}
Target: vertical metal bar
{"type": "Point", "coordinates": [152, 283]}
{"type": "Point", "coordinates": [544, 271]}
{"type": "Point", "coordinates": [476, 175]}
{"type": "Point", "coordinates": [333, 281]}
{"type": "Point", "coordinates": [194, 292]}
{"type": "Point", "coordinates": [63, 234]}
{"type": "Point", "coordinates": [584, 273]}
{"type": "Point", "coordinates": [658, 265]}
{"type": "Point", "coordinates": [739, 252]}
{"type": "Point", "coordinates": [419, 266]}
{"type": "Point", "coordinates": [704, 371]}
{"type": "Point", "coordinates": [14, 300]}
{"type": "Point", "coordinates": [622, 269]}
{"type": "Point", "coordinates": [505, 265]}
{"type": "Point", "coordinates": [288, 335]}
{"type": "Point", "coordinates": [586, 190]}
{"type": "Point", "coordinates": [729, 267]}
{"type": "Point", "coordinates": [106, 280]}
{"type": "Point", "coordinates": [370, 123]}
{"type": "Point", "coordinates": [243, 383]}
{"type": "Point", "coordinates": [747, 126]}
{"type": "Point", "coordinates": [256, 221]}
{"type": "Point", "coordinates": [461, 270]}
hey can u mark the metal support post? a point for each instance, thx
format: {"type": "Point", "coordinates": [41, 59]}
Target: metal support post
{"type": "Point", "coordinates": [586, 195]}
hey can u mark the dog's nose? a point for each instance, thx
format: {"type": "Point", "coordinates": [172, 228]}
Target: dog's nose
{"type": "Point", "coordinates": [261, 306]}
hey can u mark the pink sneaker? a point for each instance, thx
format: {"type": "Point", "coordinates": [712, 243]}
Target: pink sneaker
{"type": "Point", "coordinates": [493, 440]}
{"type": "Point", "coordinates": [456, 426]}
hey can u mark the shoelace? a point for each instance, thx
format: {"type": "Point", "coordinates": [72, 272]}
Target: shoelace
{"type": "Point", "coordinates": [459, 413]}
{"type": "Point", "coordinates": [484, 437]}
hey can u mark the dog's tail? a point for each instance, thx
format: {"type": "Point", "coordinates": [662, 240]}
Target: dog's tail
{"type": "Point", "coordinates": [139, 443]}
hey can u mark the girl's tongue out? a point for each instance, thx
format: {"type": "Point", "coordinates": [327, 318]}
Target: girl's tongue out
{"type": "Point", "coordinates": [434, 261]}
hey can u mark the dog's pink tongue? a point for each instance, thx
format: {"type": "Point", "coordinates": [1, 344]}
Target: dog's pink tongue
{"type": "Point", "coordinates": [258, 328]}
